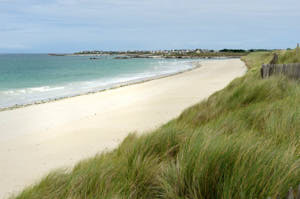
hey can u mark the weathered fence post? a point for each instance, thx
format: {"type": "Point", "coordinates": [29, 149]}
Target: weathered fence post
{"type": "Point", "coordinates": [262, 71]}
{"type": "Point", "coordinates": [298, 194]}
{"type": "Point", "coordinates": [275, 59]}
{"type": "Point", "coordinates": [291, 194]}
{"type": "Point", "coordinates": [265, 70]}
{"type": "Point", "coordinates": [297, 50]}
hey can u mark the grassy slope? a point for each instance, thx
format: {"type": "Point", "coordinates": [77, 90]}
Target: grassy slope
{"type": "Point", "coordinates": [243, 142]}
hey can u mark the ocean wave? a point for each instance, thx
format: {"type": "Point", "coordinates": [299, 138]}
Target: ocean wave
{"type": "Point", "coordinates": [36, 94]}
{"type": "Point", "coordinates": [31, 90]}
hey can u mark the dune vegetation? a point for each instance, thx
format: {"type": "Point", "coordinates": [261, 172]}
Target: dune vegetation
{"type": "Point", "coordinates": [242, 142]}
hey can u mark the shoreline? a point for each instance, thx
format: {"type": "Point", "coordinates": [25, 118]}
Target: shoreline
{"type": "Point", "coordinates": [37, 139]}
{"type": "Point", "coordinates": [117, 85]}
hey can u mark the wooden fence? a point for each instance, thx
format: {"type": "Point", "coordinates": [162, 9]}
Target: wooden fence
{"type": "Point", "coordinates": [290, 70]}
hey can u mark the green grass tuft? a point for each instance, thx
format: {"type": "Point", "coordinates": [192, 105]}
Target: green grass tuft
{"type": "Point", "coordinates": [289, 56]}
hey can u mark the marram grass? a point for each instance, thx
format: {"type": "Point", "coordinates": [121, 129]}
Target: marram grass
{"type": "Point", "coordinates": [242, 142]}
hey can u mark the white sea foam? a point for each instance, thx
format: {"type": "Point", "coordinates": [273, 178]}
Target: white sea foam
{"type": "Point", "coordinates": [31, 90]}
{"type": "Point", "coordinates": [45, 89]}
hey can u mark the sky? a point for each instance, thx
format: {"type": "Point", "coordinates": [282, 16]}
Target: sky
{"type": "Point", "coordinates": [64, 26]}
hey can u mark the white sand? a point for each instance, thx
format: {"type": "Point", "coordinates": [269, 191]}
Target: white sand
{"type": "Point", "coordinates": [38, 138]}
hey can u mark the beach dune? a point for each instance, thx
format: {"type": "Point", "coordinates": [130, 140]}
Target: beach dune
{"type": "Point", "coordinates": [38, 138]}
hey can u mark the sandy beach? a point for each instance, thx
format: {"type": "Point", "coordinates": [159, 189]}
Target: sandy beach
{"type": "Point", "coordinates": [36, 139]}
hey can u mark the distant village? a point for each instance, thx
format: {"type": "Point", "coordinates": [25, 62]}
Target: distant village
{"type": "Point", "coordinates": [174, 53]}
{"type": "Point", "coordinates": [177, 51]}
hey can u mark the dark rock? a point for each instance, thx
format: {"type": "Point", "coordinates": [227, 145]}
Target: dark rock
{"type": "Point", "coordinates": [93, 58]}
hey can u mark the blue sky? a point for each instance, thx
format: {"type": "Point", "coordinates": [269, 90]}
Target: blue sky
{"type": "Point", "coordinates": [74, 25]}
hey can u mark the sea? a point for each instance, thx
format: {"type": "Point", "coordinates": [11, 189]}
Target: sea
{"type": "Point", "coordinates": [34, 78]}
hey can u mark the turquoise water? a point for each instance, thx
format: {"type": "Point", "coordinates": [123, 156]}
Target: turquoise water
{"type": "Point", "coordinates": [25, 79]}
